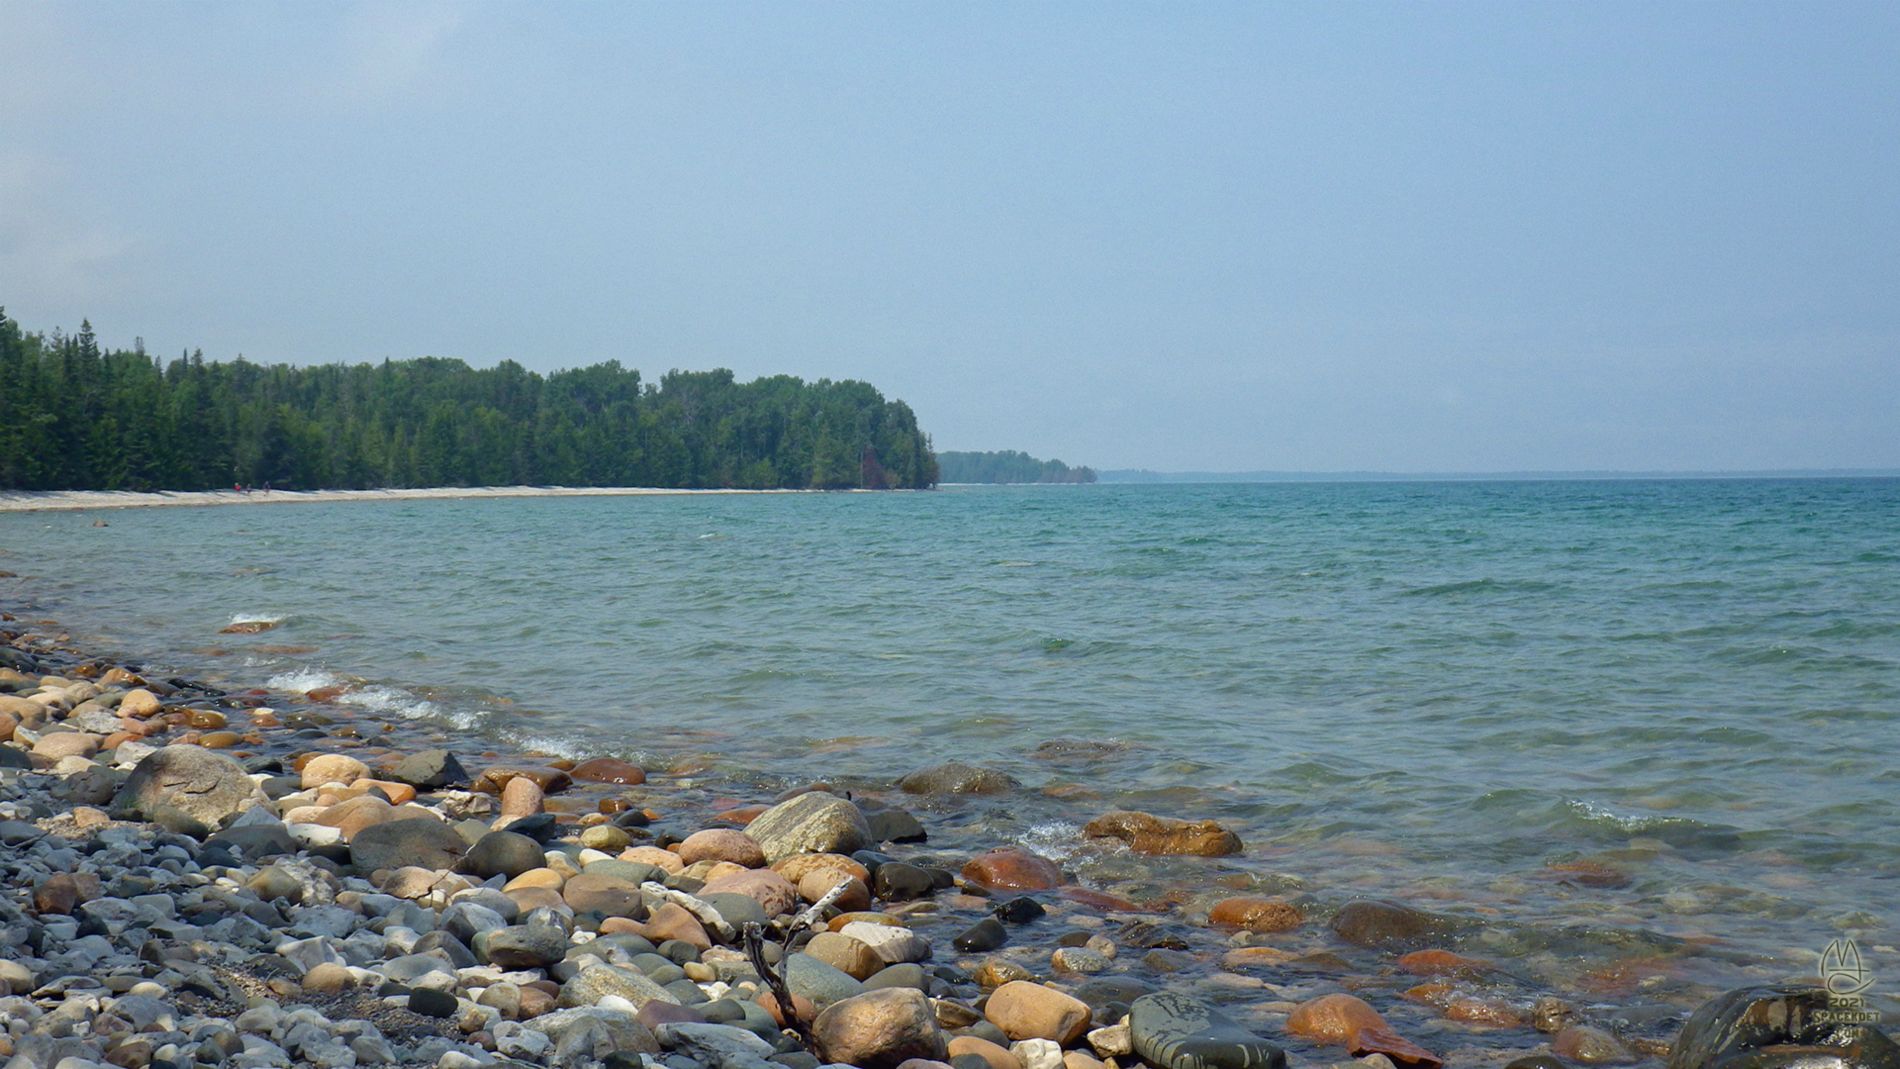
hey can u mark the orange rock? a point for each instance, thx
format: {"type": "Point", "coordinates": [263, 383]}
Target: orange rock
{"type": "Point", "coordinates": [397, 793]}
{"type": "Point", "coordinates": [495, 780]}
{"type": "Point", "coordinates": [796, 867]}
{"type": "Point", "coordinates": [1332, 1018]}
{"type": "Point", "coordinates": [609, 770]}
{"type": "Point", "coordinates": [741, 816]}
{"type": "Point", "coordinates": [770, 890]}
{"type": "Point", "coordinates": [331, 768]}
{"type": "Point", "coordinates": [1242, 957]}
{"type": "Point", "coordinates": [1436, 993]}
{"type": "Point", "coordinates": [1256, 914]}
{"type": "Point", "coordinates": [819, 883]}
{"type": "Point", "coordinates": [722, 844]}
{"type": "Point", "coordinates": [1146, 833]}
{"type": "Point", "coordinates": [867, 916]}
{"type": "Point", "coordinates": [1587, 873]}
{"type": "Point", "coordinates": [1404, 1053]}
{"type": "Point", "coordinates": [354, 815]}
{"type": "Point", "coordinates": [1473, 1010]}
{"type": "Point", "coordinates": [671, 921]}
{"type": "Point", "coordinates": [1101, 901]}
{"type": "Point", "coordinates": [520, 797]}
{"type": "Point", "coordinates": [1010, 869]}
{"type": "Point", "coordinates": [1441, 963]}
{"type": "Point", "coordinates": [997, 1057]}
{"type": "Point", "coordinates": [653, 855]}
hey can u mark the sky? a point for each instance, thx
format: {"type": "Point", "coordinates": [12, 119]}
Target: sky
{"type": "Point", "coordinates": [1297, 236]}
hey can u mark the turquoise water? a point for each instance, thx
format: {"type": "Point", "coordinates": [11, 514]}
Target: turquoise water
{"type": "Point", "coordinates": [1430, 691]}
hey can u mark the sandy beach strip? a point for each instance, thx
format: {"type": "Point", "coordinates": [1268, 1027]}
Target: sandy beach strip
{"type": "Point", "coordinates": [72, 500]}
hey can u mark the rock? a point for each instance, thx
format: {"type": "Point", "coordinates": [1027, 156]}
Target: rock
{"type": "Point", "coordinates": [1442, 963]}
{"type": "Point", "coordinates": [1391, 926]}
{"type": "Point", "coordinates": [1078, 960]}
{"type": "Point", "coordinates": [520, 797]}
{"type": "Point", "coordinates": [889, 825]}
{"type": "Point", "coordinates": [994, 1055]}
{"type": "Point", "coordinates": [897, 881]}
{"type": "Point", "coordinates": [624, 1031]}
{"type": "Point", "coordinates": [1025, 1010]}
{"type": "Point", "coordinates": [666, 860]}
{"type": "Point", "coordinates": [431, 1003]}
{"type": "Point", "coordinates": [1343, 1019]}
{"type": "Point", "coordinates": [605, 838]}
{"type": "Point", "coordinates": [418, 841]}
{"type": "Point", "coordinates": [523, 946]}
{"type": "Point", "coordinates": [1738, 1029]}
{"type": "Point", "coordinates": [1011, 869]}
{"type": "Point", "coordinates": [57, 744]}
{"type": "Point", "coordinates": [186, 788]}
{"type": "Point", "coordinates": [504, 853]}
{"type": "Point", "coordinates": [893, 944]}
{"type": "Point", "coordinates": [1256, 914]}
{"type": "Point", "coordinates": [139, 703]}
{"type": "Point", "coordinates": [723, 1045]}
{"type": "Point", "coordinates": [595, 982]}
{"type": "Point", "coordinates": [1332, 1019]}
{"type": "Point", "coordinates": [327, 978]}
{"type": "Point", "coordinates": [823, 984]}
{"type": "Point", "coordinates": [429, 770]}
{"type": "Point", "coordinates": [352, 816]}
{"type": "Point", "coordinates": [854, 897]}
{"type": "Point", "coordinates": [879, 1030]}
{"type": "Point", "coordinates": [986, 934]}
{"type": "Point", "coordinates": [1112, 1042]}
{"type": "Point", "coordinates": [956, 777]}
{"type": "Point", "coordinates": [1146, 833]}
{"type": "Point", "coordinates": [495, 780]}
{"type": "Point", "coordinates": [722, 844]}
{"type": "Point", "coordinates": [845, 954]}
{"type": "Point", "coordinates": [608, 770]}
{"type": "Point", "coordinates": [1172, 1031]}
{"type": "Point", "coordinates": [672, 921]}
{"type": "Point", "coordinates": [1594, 1046]}
{"type": "Point", "coordinates": [57, 894]}
{"type": "Point", "coordinates": [810, 823]}
{"type": "Point", "coordinates": [332, 768]}
{"type": "Point", "coordinates": [1037, 1053]}
{"type": "Point", "coordinates": [607, 896]}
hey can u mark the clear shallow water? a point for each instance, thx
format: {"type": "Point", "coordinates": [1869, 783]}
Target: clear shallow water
{"type": "Point", "coordinates": [1428, 691]}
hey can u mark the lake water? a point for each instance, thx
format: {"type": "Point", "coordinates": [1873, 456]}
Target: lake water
{"type": "Point", "coordinates": [1439, 692]}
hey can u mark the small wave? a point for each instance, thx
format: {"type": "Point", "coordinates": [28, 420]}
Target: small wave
{"type": "Point", "coordinates": [248, 618]}
{"type": "Point", "coordinates": [1057, 840]}
{"type": "Point", "coordinates": [304, 680]}
{"type": "Point", "coordinates": [407, 705]}
{"type": "Point", "coordinates": [1480, 586]}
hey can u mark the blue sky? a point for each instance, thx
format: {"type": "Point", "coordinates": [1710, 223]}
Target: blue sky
{"type": "Point", "coordinates": [1409, 237]}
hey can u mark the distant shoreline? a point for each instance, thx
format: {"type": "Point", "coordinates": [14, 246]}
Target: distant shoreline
{"type": "Point", "coordinates": [76, 500]}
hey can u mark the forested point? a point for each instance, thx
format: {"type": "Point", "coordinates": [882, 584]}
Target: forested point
{"type": "Point", "coordinates": [1007, 466]}
{"type": "Point", "coordinates": [74, 416]}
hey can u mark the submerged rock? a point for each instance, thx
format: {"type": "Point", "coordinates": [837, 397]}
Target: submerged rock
{"type": "Point", "coordinates": [1383, 925]}
{"type": "Point", "coordinates": [1010, 869]}
{"type": "Point", "coordinates": [1146, 833]}
{"type": "Point", "coordinates": [1174, 1031]}
{"type": "Point", "coordinates": [956, 777]}
{"type": "Point", "coordinates": [1771, 1027]}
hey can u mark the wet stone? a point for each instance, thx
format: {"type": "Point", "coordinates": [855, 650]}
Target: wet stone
{"type": "Point", "coordinates": [1173, 1031]}
{"type": "Point", "coordinates": [986, 934]}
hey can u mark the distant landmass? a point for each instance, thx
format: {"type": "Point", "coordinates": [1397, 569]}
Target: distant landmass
{"type": "Point", "coordinates": [1007, 466]}
{"type": "Point", "coordinates": [75, 415]}
{"type": "Point", "coordinates": [1142, 475]}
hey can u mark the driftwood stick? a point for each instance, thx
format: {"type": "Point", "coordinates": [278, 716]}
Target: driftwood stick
{"type": "Point", "coordinates": [774, 978]}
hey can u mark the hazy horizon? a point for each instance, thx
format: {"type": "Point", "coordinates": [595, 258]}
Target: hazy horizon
{"type": "Point", "coordinates": [1294, 238]}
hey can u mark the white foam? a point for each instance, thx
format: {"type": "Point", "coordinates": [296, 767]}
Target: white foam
{"type": "Point", "coordinates": [256, 618]}
{"type": "Point", "coordinates": [304, 680]}
{"type": "Point", "coordinates": [1057, 840]}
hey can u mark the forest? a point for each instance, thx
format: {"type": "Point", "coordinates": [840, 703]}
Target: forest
{"type": "Point", "coordinates": [76, 416]}
{"type": "Point", "coordinates": [1007, 466]}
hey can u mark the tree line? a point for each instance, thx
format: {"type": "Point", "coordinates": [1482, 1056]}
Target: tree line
{"type": "Point", "coordinates": [1008, 466]}
{"type": "Point", "coordinates": [77, 416]}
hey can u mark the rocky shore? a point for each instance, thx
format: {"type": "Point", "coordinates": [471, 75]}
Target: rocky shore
{"type": "Point", "coordinates": [198, 876]}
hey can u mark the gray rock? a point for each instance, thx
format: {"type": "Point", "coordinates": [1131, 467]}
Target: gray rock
{"type": "Point", "coordinates": [722, 1046]}
{"type": "Point", "coordinates": [429, 770]}
{"type": "Point", "coordinates": [187, 789]}
{"type": "Point", "coordinates": [522, 946]}
{"type": "Point", "coordinates": [1771, 1027]}
{"type": "Point", "coordinates": [626, 1031]}
{"type": "Point", "coordinates": [595, 982]}
{"type": "Point", "coordinates": [503, 853]}
{"type": "Point", "coordinates": [422, 841]}
{"type": "Point", "coordinates": [823, 984]}
{"type": "Point", "coordinates": [890, 825]}
{"type": "Point", "coordinates": [1173, 1031]}
{"type": "Point", "coordinates": [811, 823]}
{"type": "Point", "coordinates": [1392, 926]}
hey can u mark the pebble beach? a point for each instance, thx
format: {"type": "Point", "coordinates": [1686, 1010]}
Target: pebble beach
{"type": "Point", "coordinates": [203, 875]}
